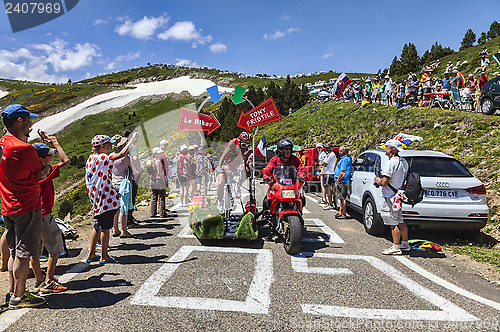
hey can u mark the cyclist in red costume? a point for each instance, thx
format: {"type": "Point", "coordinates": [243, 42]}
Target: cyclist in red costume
{"type": "Point", "coordinates": [235, 154]}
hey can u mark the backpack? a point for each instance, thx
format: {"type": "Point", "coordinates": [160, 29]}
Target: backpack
{"type": "Point", "coordinates": [150, 170]}
{"type": "Point", "coordinates": [412, 188]}
{"type": "Point", "coordinates": [68, 231]}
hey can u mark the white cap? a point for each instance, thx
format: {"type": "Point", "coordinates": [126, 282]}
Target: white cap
{"type": "Point", "coordinates": [163, 142]}
{"type": "Point", "coordinates": [319, 145]}
{"type": "Point", "coordinates": [183, 147]}
{"type": "Point", "coordinates": [157, 150]}
{"type": "Point", "coordinates": [394, 144]}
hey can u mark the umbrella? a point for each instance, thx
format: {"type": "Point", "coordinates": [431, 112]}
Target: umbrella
{"type": "Point", "coordinates": [315, 91]}
{"type": "Point", "coordinates": [295, 148]}
{"type": "Point", "coordinates": [324, 93]}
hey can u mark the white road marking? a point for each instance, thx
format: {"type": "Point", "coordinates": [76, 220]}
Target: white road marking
{"type": "Point", "coordinates": [409, 264]}
{"type": "Point", "coordinates": [330, 233]}
{"type": "Point", "coordinates": [305, 211]}
{"type": "Point", "coordinates": [257, 301]}
{"type": "Point", "coordinates": [299, 264]}
{"type": "Point", "coordinates": [9, 317]}
{"type": "Point", "coordinates": [186, 232]}
{"type": "Point", "coordinates": [176, 207]}
{"type": "Point", "coordinates": [448, 312]}
{"type": "Point", "coordinates": [312, 199]}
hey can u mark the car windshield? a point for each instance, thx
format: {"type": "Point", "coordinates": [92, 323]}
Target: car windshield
{"type": "Point", "coordinates": [437, 167]}
{"type": "Point", "coordinates": [285, 175]}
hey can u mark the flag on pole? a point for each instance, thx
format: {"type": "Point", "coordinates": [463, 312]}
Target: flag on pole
{"type": "Point", "coordinates": [260, 150]}
{"type": "Point", "coordinates": [342, 82]}
{"type": "Point", "coordinates": [406, 139]}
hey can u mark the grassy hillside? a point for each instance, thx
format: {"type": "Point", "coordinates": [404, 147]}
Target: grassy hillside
{"type": "Point", "coordinates": [44, 98]}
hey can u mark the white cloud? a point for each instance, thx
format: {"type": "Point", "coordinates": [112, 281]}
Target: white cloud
{"type": "Point", "coordinates": [284, 17]}
{"type": "Point", "coordinates": [99, 21]}
{"type": "Point", "coordinates": [185, 31]}
{"type": "Point", "coordinates": [218, 48]}
{"type": "Point", "coordinates": [186, 63]}
{"type": "Point", "coordinates": [280, 34]}
{"type": "Point", "coordinates": [44, 62]}
{"type": "Point", "coordinates": [64, 59]}
{"type": "Point", "coordinates": [326, 55]}
{"type": "Point", "coordinates": [142, 29]}
{"type": "Point", "coordinates": [122, 58]}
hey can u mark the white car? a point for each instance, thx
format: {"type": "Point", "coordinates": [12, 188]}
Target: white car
{"type": "Point", "coordinates": [454, 199]}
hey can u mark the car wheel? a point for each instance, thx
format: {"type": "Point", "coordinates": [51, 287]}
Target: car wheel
{"type": "Point", "coordinates": [487, 106]}
{"type": "Point", "coordinates": [371, 218]}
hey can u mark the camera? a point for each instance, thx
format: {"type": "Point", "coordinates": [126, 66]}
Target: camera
{"type": "Point", "coordinates": [379, 174]}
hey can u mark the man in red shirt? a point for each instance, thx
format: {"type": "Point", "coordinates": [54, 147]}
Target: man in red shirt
{"type": "Point", "coordinates": [482, 80]}
{"type": "Point", "coordinates": [51, 234]}
{"type": "Point", "coordinates": [20, 171]}
{"type": "Point", "coordinates": [284, 157]}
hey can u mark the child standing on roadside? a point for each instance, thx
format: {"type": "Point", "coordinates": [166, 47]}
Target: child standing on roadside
{"type": "Point", "coordinates": [51, 234]}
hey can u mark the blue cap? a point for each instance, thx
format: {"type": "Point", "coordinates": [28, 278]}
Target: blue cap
{"type": "Point", "coordinates": [42, 150]}
{"type": "Point", "coordinates": [16, 111]}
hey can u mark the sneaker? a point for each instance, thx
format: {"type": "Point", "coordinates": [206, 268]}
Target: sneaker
{"type": "Point", "coordinates": [404, 247]}
{"type": "Point", "coordinates": [7, 297]}
{"type": "Point", "coordinates": [38, 285]}
{"type": "Point", "coordinates": [328, 207]}
{"type": "Point", "coordinates": [29, 299]}
{"type": "Point", "coordinates": [392, 251]}
{"type": "Point", "coordinates": [340, 216]}
{"type": "Point", "coordinates": [53, 286]}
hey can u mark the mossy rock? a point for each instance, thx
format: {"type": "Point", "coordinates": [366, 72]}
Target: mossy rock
{"type": "Point", "coordinates": [246, 228]}
{"type": "Point", "coordinates": [207, 224]}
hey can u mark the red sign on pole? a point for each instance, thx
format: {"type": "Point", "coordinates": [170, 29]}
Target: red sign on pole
{"type": "Point", "coordinates": [265, 112]}
{"type": "Point", "coordinates": [194, 121]}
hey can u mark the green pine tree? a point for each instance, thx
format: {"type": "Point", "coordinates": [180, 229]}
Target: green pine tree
{"type": "Point", "coordinates": [468, 40]}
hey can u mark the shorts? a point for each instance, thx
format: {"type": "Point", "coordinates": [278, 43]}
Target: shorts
{"type": "Point", "coordinates": [327, 179]}
{"type": "Point", "coordinates": [105, 220]}
{"type": "Point", "coordinates": [24, 233]}
{"type": "Point", "coordinates": [388, 215]}
{"type": "Point", "coordinates": [342, 190]}
{"type": "Point", "coordinates": [183, 180]}
{"type": "Point", "coordinates": [51, 236]}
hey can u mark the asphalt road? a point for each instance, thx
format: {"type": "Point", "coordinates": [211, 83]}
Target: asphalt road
{"type": "Point", "coordinates": [165, 279]}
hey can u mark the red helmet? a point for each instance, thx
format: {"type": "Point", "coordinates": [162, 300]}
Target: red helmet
{"type": "Point", "coordinates": [245, 137]}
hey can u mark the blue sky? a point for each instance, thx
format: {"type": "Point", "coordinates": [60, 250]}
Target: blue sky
{"type": "Point", "coordinates": [272, 37]}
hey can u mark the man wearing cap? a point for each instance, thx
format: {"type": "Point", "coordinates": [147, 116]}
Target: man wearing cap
{"type": "Point", "coordinates": [20, 171]}
{"type": "Point", "coordinates": [51, 234]}
{"type": "Point", "coordinates": [328, 164]}
{"type": "Point", "coordinates": [393, 174]}
{"type": "Point", "coordinates": [158, 185]}
{"type": "Point", "coordinates": [103, 197]}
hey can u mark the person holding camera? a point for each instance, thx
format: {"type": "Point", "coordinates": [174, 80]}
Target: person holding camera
{"type": "Point", "coordinates": [393, 175]}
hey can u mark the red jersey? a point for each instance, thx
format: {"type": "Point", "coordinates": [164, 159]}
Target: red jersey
{"type": "Point", "coordinates": [276, 160]}
{"type": "Point", "coordinates": [19, 188]}
{"type": "Point", "coordinates": [47, 189]}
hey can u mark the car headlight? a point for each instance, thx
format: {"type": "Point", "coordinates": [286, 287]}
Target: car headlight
{"type": "Point", "coordinates": [288, 193]}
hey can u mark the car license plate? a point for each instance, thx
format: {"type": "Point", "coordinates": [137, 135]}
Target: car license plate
{"type": "Point", "coordinates": [441, 193]}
